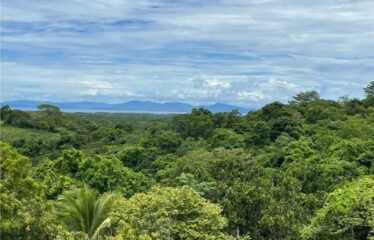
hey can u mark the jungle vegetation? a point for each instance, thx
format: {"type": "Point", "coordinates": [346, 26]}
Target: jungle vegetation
{"type": "Point", "coordinates": [301, 170]}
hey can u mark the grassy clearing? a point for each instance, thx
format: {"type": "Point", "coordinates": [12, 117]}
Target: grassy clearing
{"type": "Point", "coordinates": [10, 134]}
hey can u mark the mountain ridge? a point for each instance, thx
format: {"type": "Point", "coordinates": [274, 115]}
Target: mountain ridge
{"type": "Point", "coordinates": [131, 106]}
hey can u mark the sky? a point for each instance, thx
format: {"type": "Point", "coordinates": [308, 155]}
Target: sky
{"type": "Point", "coordinates": [242, 52]}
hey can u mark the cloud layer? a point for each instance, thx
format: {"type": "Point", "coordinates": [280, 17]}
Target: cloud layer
{"type": "Point", "coordinates": [246, 52]}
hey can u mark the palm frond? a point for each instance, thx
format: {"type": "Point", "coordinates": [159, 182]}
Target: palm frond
{"type": "Point", "coordinates": [86, 211]}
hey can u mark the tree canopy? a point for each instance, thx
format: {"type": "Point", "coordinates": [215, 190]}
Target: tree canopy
{"type": "Point", "coordinates": [302, 170]}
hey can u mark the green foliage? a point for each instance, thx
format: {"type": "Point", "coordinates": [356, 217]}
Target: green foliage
{"type": "Point", "coordinates": [31, 142]}
{"type": "Point", "coordinates": [110, 136]}
{"type": "Point", "coordinates": [108, 174]}
{"type": "Point", "coordinates": [203, 188]}
{"type": "Point", "coordinates": [24, 212]}
{"type": "Point", "coordinates": [70, 162]}
{"type": "Point", "coordinates": [316, 113]}
{"type": "Point", "coordinates": [189, 144]}
{"type": "Point", "coordinates": [369, 89]}
{"type": "Point", "coordinates": [164, 141]}
{"type": "Point", "coordinates": [259, 134]}
{"type": "Point", "coordinates": [196, 162]}
{"type": "Point", "coordinates": [137, 157]}
{"type": "Point", "coordinates": [125, 127]}
{"type": "Point", "coordinates": [347, 214]}
{"type": "Point", "coordinates": [355, 150]}
{"type": "Point", "coordinates": [356, 127]}
{"type": "Point", "coordinates": [170, 213]}
{"type": "Point", "coordinates": [197, 124]}
{"type": "Point", "coordinates": [273, 111]}
{"type": "Point", "coordinates": [83, 210]}
{"type": "Point", "coordinates": [49, 108]}
{"type": "Point", "coordinates": [280, 172]}
{"type": "Point", "coordinates": [162, 161]}
{"type": "Point", "coordinates": [16, 117]}
{"type": "Point", "coordinates": [368, 102]}
{"type": "Point", "coordinates": [242, 189]}
{"type": "Point", "coordinates": [305, 97]}
{"type": "Point", "coordinates": [49, 119]}
{"type": "Point", "coordinates": [355, 106]}
{"type": "Point", "coordinates": [54, 181]}
{"type": "Point", "coordinates": [226, 138]}
{"type": "Point", "coordinates": [231, 119]}
{"type": "Point", "coordinates": [100, 172]}
{"type": "Point", "coordinates": [289, 125]}
{"type": "Point", "coordinates": [284, 214]}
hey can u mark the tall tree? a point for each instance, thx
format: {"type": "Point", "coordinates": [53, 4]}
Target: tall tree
{"type": "Point", "coordinates": [49, 108]}
{"type": "Point", "coordinates": [369, 89]}
{"type": "Point", "coordinates": [305, 97]}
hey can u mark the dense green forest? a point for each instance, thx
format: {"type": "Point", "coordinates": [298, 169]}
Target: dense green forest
{"type": "Point", "coordinates": [302, 170]}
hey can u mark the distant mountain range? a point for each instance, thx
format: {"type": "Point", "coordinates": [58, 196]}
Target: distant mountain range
{"type": "Point", "coordinates": [131, 106]}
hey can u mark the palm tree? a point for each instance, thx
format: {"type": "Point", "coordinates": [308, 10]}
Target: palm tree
{"type": "Point", "coordinates": [86, 211]}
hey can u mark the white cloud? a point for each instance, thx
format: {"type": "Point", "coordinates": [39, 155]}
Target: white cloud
{"type": "Point", "coordinates": [247, 52]}
{"type": "Point", "coordinates": [212, 83]}
{"type": "Point", "coordinates": [274, 83]}
{"type": "Point", "coordinates": [252, 96]}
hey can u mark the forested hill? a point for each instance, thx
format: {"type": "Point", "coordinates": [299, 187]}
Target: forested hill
{"type": "Point", "coordinates": [302, 170]}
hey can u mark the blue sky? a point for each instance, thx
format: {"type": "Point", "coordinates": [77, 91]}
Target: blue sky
{"type": "Point", "coordinates": [243, 52]}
